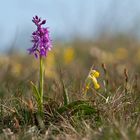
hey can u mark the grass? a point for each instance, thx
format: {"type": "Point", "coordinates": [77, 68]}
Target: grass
{"type": "Point", "coordinates": [112, 112]}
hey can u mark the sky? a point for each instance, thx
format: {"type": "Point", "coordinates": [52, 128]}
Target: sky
{"type": "Point", "coordinates": [67, 19]}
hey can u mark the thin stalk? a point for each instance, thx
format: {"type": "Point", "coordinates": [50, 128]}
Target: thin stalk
{"type": "Point", "coordinates": [41, 85]}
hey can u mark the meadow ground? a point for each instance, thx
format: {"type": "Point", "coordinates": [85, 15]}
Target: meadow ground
{"type": "Point", "coordinates": [111, 112]}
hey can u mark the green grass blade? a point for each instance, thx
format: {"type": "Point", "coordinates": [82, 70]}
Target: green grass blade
{"type": "Point", "coordinates": [35, 91]}
{"type": "Point", "coordinates": [65, 94]}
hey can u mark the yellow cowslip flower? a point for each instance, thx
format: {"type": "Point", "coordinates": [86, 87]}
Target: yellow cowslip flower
{"type": "Point", "coordinates": [137, 57]}
{"type": "Point", "coordinates": [86, 85]}
{"type": "Point", "coordinates": [94, 80]}
{"type": "Point", "coordinates": [121, 53]}
{"type": "Point", "coordinates": [93, 74]}
{"type": "Point", "coordinates": [96, 85]}
{"type": "Point", "coordinates": [50, 66]}
{"type": "Point", "coordinates": [68, 55]}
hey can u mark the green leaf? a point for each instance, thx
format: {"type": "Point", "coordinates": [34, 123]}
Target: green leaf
{"type": "Point", "coordinates": [65, 94]}
{"type": "Point", "coordinates": [35, 91]}
{"type": "Point", "coordinates": [78, 106]}
{"type": "Point", "coordinates": [84, 109]}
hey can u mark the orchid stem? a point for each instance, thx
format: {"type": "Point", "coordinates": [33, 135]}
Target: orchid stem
{"type": "Point", "coordinates": [41, 84]}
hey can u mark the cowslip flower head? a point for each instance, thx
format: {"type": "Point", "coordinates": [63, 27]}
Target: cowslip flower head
{"type": "Point", "coordinates": [40, 39]}
{"type": "Point", "coordinates": [92, 78]}
{"type": "Point", "coordinates": [93, 75]}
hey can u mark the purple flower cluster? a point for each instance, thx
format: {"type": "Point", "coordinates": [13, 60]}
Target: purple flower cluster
{"type": "Point", "coordinates": [40, 38]}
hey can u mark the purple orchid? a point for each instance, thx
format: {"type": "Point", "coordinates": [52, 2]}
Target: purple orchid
{"type": "Point", "coordinates": [40, 38]}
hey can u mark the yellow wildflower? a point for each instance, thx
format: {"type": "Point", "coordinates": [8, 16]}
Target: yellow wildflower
{"type": "Point", "coordinates": [68, 55]}
{"type": "Point", "coordinates": [50, 66]}
{"type": "Point", "coordinates": [93, 74]}
{"type": "Point", "coordinates": [121, 53]}
{"type": "Point", "coordinates": [96, 85]}
{"type": "Point", "coordinates": [137, 56]}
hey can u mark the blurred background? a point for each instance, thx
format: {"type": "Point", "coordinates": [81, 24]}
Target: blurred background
{"type": "Point", "coordinates": [68, 20]}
